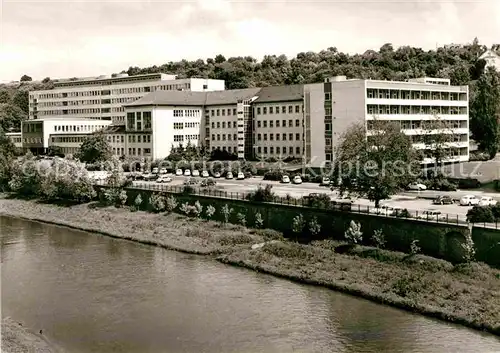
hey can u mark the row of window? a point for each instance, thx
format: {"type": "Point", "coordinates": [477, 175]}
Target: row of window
{"type": "Point", "coordinates": [71, 111]}
{"type": "Point", "coordinates": [276, 109]}
{"type": "Point", "coordinates": [223, 112]}
{"type": "Point", "coordinates": [78, 128]}
{"type": "Point", "coordinates": [182, 138]}
{"type": "Point", "coordinates": [33, 127]}
{"type": "Point", "coordinates": [187, 113]}
{"type": "Point", "coordinates": [277, 150]}
{"type": "Point", "coordinates": [271, 137]}
{"type": "Point", "coordinates": [414, 94]}
{"type": "Point", "coordinates": [32, 140]}
{"type": "Point", "coordinates": [140, 151]}
{"type": "Point", "coordinates": [15, 139]}
{"type": "Point", "coordinates": [415, 109]}
{"type": "Point", "coordinates": [179, 126]}
{"type": "Point", "coordinates": [139, 138]}
{"type": "Point", "coordinates": [418, 124]}
{"type": "Point", "coordinates": [449, 152]}
{"type": "Point", "coordinates": [263, 123]}
{"type": "Point", "coordinates": [224, 125]}
{"type": "Point", "coordinates": [116, 138]}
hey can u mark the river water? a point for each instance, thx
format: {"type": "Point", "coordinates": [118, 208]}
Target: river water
{"type": "Point", "coordinates": [96, 294]}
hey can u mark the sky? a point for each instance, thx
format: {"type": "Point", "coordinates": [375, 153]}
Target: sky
{"type": "Point", "coordinates": [69, 38]}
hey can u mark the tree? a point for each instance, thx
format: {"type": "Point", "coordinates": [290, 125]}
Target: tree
{"type": "Point", "coordinates": [94, 149]}
{"type": "Point", "coordinates": [485, 112]}
{"type": "Point", "coordinates": [376, 166]}
{"type": "Point", "coordinates": [4, 96]}
{"type": "Point", "coordinates": [7, 155]}
{"type": "Point", "coordinates": [437, 137]}
{"type": "Point", "coordinates": [21, 99]}
{"type": "Point", "coordinates": [11, 117]}
{"type": "Point", "coordinates": [26, 78]}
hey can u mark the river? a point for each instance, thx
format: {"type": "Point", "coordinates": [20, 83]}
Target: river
{"type": "Point", "coordinates": [91, 293]}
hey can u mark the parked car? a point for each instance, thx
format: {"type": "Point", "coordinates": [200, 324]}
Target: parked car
{"type": "Point", "coordinates": [431, 213]}
{"type": "Point", "coordinates": [240, 176]}
{"type": "Point", "coordinates": [216, 175]}
{"type": "Point", "coordinates": [191, 181]}
{"type": "Point", "coordinates": [196, 173]}
{"type": "Point", "coordinates": [469, 200]}
{"type": "Point", "coordinates": [178, 172]}
{"type": "Point", "coordinates": [155, 170]}
{"type": "Point", "coordinates": [163, 171]}
{"type": "Point", "coordinates": [325, 181]}
{"type": "Point", "coordinates": [187, 172]}
{"type": "Point", "coordinates": [205, 174]}
{"type": "Point", "coordinates": [164, 179]}
{"type": "Point", "coordinates": [297, 179]}
{"type": "Point", "coordinates": [442, 200]}
{"type": "Point", "coordinates": [417, 186]}
{"type": "Point", "coordinates": [487, 201]}
{"type": "Point", "coordinates": [229, 175]}
{"type": "Point", "coordinates": [285, 179]}
{"type": "Point", "coordinates": [150, 176]}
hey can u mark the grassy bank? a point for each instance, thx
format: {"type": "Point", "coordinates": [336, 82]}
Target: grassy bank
{"type": "Point", "coordinates": [465, 294]}
{"type": "Point", "coordinates": [18, 339]}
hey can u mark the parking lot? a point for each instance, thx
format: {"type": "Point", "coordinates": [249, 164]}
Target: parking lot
{"type": "Point", "coordinates": [412, 201]}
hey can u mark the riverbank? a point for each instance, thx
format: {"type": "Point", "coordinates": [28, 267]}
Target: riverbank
{"type": "Point", "coordinates": [18, 339]}
{"type": "Point", "coordinates": [469, 295]}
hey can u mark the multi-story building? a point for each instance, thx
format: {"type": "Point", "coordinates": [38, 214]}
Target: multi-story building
{"type": "Point", "coordinates": [16, 138]}
{"type": "Point", "coordinates": [103, 97]}
{"type": "Point", "coordinates": [65, 133]}
{"type": "Point", "coordinates": [331, 107]}
{"type": "Point", "coordinates": [491, 58]}
{"type": "Point", "coordinates": [298, 121]}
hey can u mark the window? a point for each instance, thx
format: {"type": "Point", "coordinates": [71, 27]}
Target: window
{"type": "Point", "coordinates": [271, 123]}
{"type": "Point", "coordinates": [264, 110]}
{"type": "Point", "coordinates": [271, 137]}
{"type": "Point", "coordinates": [223, 137]}
{"type": "Point", "coordinates": [283, 123]}
{"type": "Point", "coordinates": [218, 137]}
{"type": "Point", "coordinates": [270, 110]}
{"type": "Point", "coordinates": [139, 139]}
{"type": "Point", "coordinates": [234, 124]}
{"type": "Point", "coordinates": [212, 112]}
{"type": "Point", "coordinates": [283, 109]}
{"type": "Point", "coordinates": [259, 149]}
{"type": "Point", "coordinates": [229, 137]}
{"type": "Point", "coordinates": [271, 150]}
{"type": "Point", "coordinates": [218, 125]}
{"type": "Point", "coordinates": [213, 125]}
{"type": "Point", "coordinates": [234, 137]}
{"type": "Point", "coordinates": [259, 137]}
{"type": "Point", "coordinates": [147, 120]}
{"type": "Point", "coordinates": [328, 96]}
{"type": "Point", "coordinates": [218, 112]}
{"type": "Point", "coordinates": [328, 127]}
{"type": "Point", "coordinates": [290, 150]}
{"type": "Point", "coordinates": [290, 123]}
{"type": "Point", "coordinates": [284, 137]}
{"type": "Point", "coordinates": [223, 123]}
{"type": "Point", "coordinates": [290, 109]}
{"type": "Point", "coordinates": [290, 137]}
{"type": "Point", "coordinates": [297, 137]}
{"type": "Point", "coordinates": [234, 111]}
{"type": "Point", "coordinates": [213, 137]}
{"type": "Point", "coordinates": [297, 150]}
{"type": "Point", "coordinates": [228, 111]}
{"type": "Point", "coordinates": [297, 122]}
{"type": "Point", "coordinates": [130, 121]}
{"type": "Point", "coordinates": [258, 123]}
{"type": "Point", "coordinates": [265, 137]}
{"type": "Point", "coordinates": [265, 150]}
{"type": "Point", "coordinates": [297, 109]}
{"type": "Point", "coordinates": [258, 110]}
{"type": "Point", "coordinates": [328, 142]}
{"type": "Point", "coordinates": [277, 137]}
{"type": "Point", "coordinates": [328, 111]}
{"type": "Point", "coordinates": [265, 123]}
{"type": "Point", "coordinates": [277, 150]}
{"type": "Point", "coordinates": [223, 112]}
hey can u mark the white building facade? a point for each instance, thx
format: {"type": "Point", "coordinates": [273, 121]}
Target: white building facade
{"type": "Point", "coordinates": [103, 97]}
{"type": "Point", "coordinates": [332, 107]}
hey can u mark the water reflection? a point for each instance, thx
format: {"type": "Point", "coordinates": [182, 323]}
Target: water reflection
{"type": "Point", "coordinates": [95, 294]}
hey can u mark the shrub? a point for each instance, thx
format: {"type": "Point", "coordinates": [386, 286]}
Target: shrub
{"type": "Point", "coordinates": [184, 208]}
{"type": "Point", "coordinates": [353, 234]}
{"type": "Point", "coordinates": [318, 201]}
{"type": "Point", "coordinates": [157, 202]}
{"type": "Point", "coordinates": [414, 248]}
{"type": "Point", "coordinates": [404, 213]}
{"type": "Point", "coordinates": [378, 238]}
{"type": "Point", "coordinates": [298, 224]}
{"type": "Point", "coordinates": [171, 204]}
{"type": "Point", "coordinates": [226, 213]}
{"type": "Point", "coordinates": [198, 209]}
{"type": "Point", "coordinates": [210, 211]}
{"type": "Point", "coordinates": [122, 198]}
{"type": "Point", "coordinates": [262, 194]}
{"type": "Point", "coordinates": [469, 249]}
{"type": "Point", "coordinates": [138, 202]}
{"type": "Point", "coordinates": [241, 219]}
{"type": "Point", "coordinates": [259, 221]}
{"type": "Point", "coordinates": [480, 214]}
{"type": "Point", "coordinates": [274, 175]}
{"type": "Point", "coordinates": [188, 189]}
{"type": "Point", "coordinates": [314, 226]}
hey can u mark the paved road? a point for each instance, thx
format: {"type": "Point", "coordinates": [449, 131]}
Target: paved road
{"type": "Point", "coordinates": [412, 200]}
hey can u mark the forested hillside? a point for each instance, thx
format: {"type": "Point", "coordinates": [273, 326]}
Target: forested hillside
{"type": "Point", "coordinates": [458, 62]}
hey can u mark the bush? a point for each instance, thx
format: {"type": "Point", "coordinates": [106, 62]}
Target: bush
{"type": "Point", "coordinates": [122, 198]}
{"type": "Point", "coordinates": [404, 213]}
{"type": "Point", "coordinates": [298, 224]}
{"type": "Point", "coordinates": [171, 204]}
{"type": "Point", "coordinates": [259, 221]}
{"type": "Point", "coordinates": [262, 194]}
{"type": "Point", "coordinates": [210, 211]}
{"type": "Point", "coordinates": [479, 214]}
{"type": "Point", "coordinates": [241, 219]}
{"type": "Point", "coordinates": [188, 189]}
{"type": "Point", "coordinates": [198, 209]}
{"type": "Point", "coordinates": [226, 213]}
{"type": "Point", "coordinates": [189, 210]}
{"type": "Point", "coordinates": [469, 249]}
{"type": "Point", "coordinates": [353, 234]}
{"type": "Point", "coordinates": [479, 156]}
{"type": "Point", "coordinates": [138, 202]}
{"type": "Point", "coordinates": [314, 227]}
{"type": "Point", "coordinates": [379, 238]}
{"type": "Point", "coordinates": [414, 248]}
{"type": "Point", "coordinates": [318, 201]}
{"type": "Point", "coordinates": [274, 175]}
{"type": "Point", "coordinates": [157, 202]}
